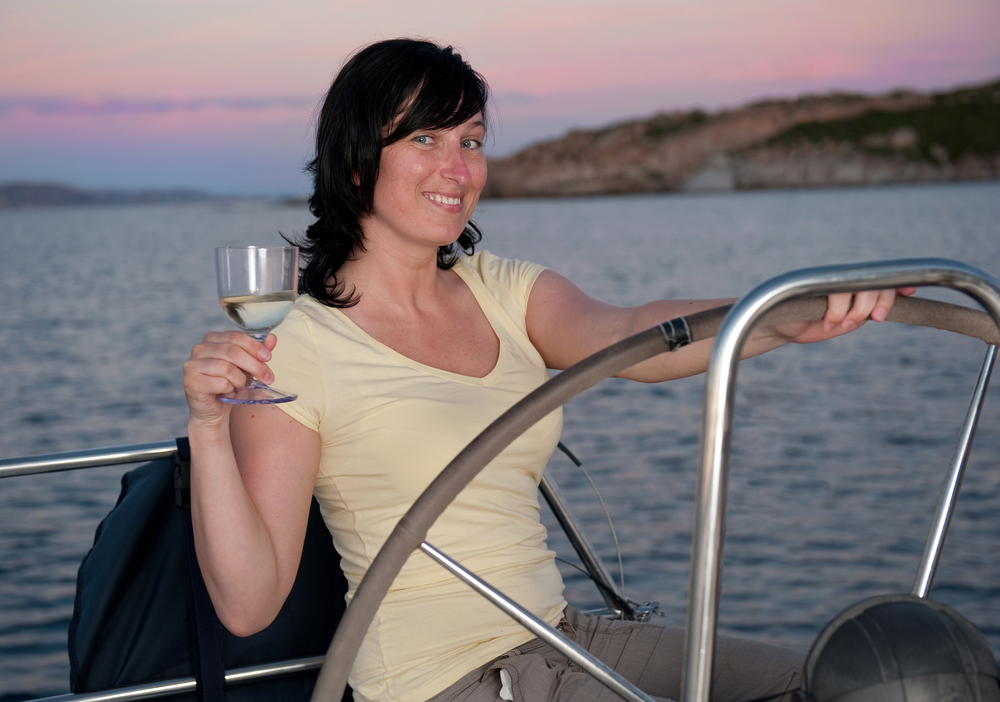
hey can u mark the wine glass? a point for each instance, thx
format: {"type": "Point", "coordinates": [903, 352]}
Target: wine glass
{"type": "Point", "coordinates": [257, 288]}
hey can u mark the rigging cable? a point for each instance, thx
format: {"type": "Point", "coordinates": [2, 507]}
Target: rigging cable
{"type": "Point", "coordinates": [607, 514]}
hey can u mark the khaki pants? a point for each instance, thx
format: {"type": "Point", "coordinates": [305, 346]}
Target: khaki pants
{"type": "Point", "coordinates": [646, 654]}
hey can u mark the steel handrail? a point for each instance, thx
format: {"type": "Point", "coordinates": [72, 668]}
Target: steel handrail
{"type": "Point", "coordinates": [86, 458]}
{"type": "Point", "coordinates": [713, 455]}
{"type": "Point", "coordinates": [587, 661]}
{"type": "Point", "coordinates": [177, 686]}
{"type": "Point", "coordinates": [119, 455]}
{"type": "Point", "coordinates": [95, 458]}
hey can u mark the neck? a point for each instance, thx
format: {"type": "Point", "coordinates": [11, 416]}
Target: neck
{"type": "Point", "coordinates": [396, 278]}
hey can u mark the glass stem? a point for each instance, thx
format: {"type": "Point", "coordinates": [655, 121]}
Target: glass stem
{"type": "Point", "coordinates": [254, 383]}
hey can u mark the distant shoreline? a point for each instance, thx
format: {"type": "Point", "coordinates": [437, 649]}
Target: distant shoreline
{"type": "Point", "coordinates": [142, 198]}
{"type": "Point", "coordinates": [814, 141]}
{"type": "Point", "coordinates": [24, 195]}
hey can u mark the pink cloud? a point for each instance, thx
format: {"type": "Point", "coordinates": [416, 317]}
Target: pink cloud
{"type": "Point", "coordinates": [140, 122]}
{"type": "Point", "coordinates": [249, 73]}
{"type": "Point", "coordinates": [753, 42]}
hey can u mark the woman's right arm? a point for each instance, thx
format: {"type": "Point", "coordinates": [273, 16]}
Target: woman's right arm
{"type": "Point", "coordinates": [252, 473]}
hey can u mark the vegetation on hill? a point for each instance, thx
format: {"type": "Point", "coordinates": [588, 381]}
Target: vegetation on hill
{"type": "Point", "coordinates": [954, 125]}
{"type": "Point", "coordinates": [663, 125]}
{"type": "Point", "coordinates": [830, 140]}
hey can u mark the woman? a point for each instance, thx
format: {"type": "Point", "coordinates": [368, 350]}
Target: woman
{"type": "Point", "coordinates": [408, 344]}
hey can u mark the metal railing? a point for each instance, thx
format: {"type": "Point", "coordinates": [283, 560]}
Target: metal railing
{"type": "Point", "coordinates": [87, 458]}
{"type": "Point", "coordinates": [713, 457]}
{"type": "Point", "coordinates": [123, 455]}
{"type": "Point", "coordinates": [178, 686]}
{"type": "Point", "coordinates": [138, 453]}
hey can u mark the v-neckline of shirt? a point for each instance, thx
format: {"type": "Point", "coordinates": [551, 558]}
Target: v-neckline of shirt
{"type": "Point", "coordinates": [483, 299]}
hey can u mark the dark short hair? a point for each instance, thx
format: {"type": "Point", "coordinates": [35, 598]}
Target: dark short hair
{"type": "Point", "coordinates": [383, 93]}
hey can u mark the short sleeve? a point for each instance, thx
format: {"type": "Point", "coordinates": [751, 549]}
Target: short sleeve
{"type": "Point", "coordinates": [296, 367]}
{"type": "Point", "coordinates": [514, 277]}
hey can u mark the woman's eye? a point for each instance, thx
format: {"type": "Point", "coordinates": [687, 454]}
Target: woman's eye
{"type": "Point", "coordinates": [471, 144]}
{"type": "Point", "coordinates": [422, 139]}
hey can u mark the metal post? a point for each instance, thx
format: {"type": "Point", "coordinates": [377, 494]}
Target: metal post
{"type": "Point", "coordinates": [949, 493]}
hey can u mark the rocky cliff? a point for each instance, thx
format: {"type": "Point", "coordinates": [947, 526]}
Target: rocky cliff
{"type": "Point", "coordinates": [815, 141]}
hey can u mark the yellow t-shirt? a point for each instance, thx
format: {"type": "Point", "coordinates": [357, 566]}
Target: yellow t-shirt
{"type": "Point", "coordinates": [388, 425]}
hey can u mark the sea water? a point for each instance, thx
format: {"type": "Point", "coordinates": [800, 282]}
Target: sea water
{"type": "Point", "coordinates": [839, 449]}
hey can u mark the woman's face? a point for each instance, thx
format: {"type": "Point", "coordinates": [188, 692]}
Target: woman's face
{"type": "Point", "coordinates": [428, 185]}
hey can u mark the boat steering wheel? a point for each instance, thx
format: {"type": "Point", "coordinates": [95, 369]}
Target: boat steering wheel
{"type": "Point", "coordinates": [412, 528]}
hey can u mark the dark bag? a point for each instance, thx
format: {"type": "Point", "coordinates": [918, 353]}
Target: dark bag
{"type": "Point", "coordinates": [140, 613]}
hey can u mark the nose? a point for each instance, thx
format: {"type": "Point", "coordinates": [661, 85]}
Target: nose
{"type": "Point", "coordinates": [455, 166]}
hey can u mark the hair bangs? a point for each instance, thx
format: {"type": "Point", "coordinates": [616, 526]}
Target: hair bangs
{"type": "Point", "coordinates": [448, 93]}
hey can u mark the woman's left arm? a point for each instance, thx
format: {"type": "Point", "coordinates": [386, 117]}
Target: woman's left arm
{"type": "Point", "coordinates": [566, 325]}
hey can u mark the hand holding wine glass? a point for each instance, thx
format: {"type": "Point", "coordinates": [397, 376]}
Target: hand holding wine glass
{"type": "Point", "coordinates": [257, 288]}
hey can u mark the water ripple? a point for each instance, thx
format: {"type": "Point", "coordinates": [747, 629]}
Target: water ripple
{"type": "Point", "coordinates": [839, 450]}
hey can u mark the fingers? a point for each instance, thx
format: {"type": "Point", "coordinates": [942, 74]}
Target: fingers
{"type": "Point", "coordinates": [223, 362]}
{"type": "Point", "coordinates": [844, 312]}
{"type": "Point", "coordinates": [851, 311]}
{"type": "Point", "coordinates": [236, 346]}
{"type": "Point", "coordinates": [837, 307]}
{"type": "Point", "coordinates": [883, 302]}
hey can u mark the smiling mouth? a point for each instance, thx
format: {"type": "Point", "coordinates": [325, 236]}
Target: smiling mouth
{"type": "Point", "coordinates": [443, 199]}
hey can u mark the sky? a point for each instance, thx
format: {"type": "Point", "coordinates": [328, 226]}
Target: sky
{"type": "Point", "coordinates": [222, 95]}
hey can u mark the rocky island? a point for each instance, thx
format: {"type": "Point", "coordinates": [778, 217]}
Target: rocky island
{"type": "Point", "coordinates": [813, 141]}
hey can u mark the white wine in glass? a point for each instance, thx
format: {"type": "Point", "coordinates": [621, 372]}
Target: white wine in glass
{"type": "Point", "coordinates": [257, 288]}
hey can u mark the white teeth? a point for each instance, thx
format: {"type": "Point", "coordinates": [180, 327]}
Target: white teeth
{"type": "Point", "coordinates": [445, 200]}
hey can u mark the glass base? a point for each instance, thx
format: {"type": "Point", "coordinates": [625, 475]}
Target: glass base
{"type": "Point", "coordinates": [256, 393]}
